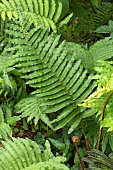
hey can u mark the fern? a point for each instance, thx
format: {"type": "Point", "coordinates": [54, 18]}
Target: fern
{"type": "Point", "coordinates": [5, 130]}
{"type": "Point", "coordinates": [48, 165]}
{"type": "Point", "coordinates": [60, 79]}
{"type": "Point", "coordinates": [98, 160]}
{"type": "Point", "coordinates": [85, 27]}
{"type": "Point", "coordinates": [106, 29]}
{"type": "Point", "coordinates": [31, 107]}
{"type": "Point", "coordinates": [22, 154]}
{"type": "Point", "coordinates": [91, 128]}
{"type": "Point", "coordinates": [48, 12]}
{"type": "Point", "coordinates": [101, 50]}
{"type": "Point", "coordinates": [61, 85]}
{"type": "Point", "coordinates": [101, 100]}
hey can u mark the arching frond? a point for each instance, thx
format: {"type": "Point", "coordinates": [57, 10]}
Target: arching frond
{"type": "Point", "coordinates": [42, 61]}
{"type": "Point", "coordinates": [23, 154]}
{"type": "Point", "coordinates": [48, 12]}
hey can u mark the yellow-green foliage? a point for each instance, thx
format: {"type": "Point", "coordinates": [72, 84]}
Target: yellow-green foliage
{"type": "Point", "coordinates": [48, 12]}
{"type": "Point", "coordinates": [102, 99]}
{"type": "Point", "coordinates": [25, 154]}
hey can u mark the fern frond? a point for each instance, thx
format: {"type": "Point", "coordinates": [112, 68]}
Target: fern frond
{"type": "Point", "coordinates": [47, 165]}
{"type": "Point", "coordinates": [86, 27]}
{"type": "Point", "coordinates": [102, 99]}
{"type": "Point", "coordinates": [103, 14]}
{"type": "Point", "coordinates": [25, 154]}
{"type": "Point", "coordinates": [5, 130]}
{"type": "Point", "coordinates": [31, 107]}
{"type": "Point", "coordinates": [48, 12]}
{"type": "Point", "coordinates": [60, 84]}
{"type": "Point", "coordinates": [98, 160]}
{"type": "Point", "coordinates": [91, 127]}
{"type": "Point", "coordinates": [101, 50]}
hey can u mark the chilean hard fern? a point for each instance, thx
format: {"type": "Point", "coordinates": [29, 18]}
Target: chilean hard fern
{"type": "Point", "coordinates": [24, 154]}
{"type": "Point", "coordinates": [59, 81]}
{"type": "Point", "coordinates": [59, 84]}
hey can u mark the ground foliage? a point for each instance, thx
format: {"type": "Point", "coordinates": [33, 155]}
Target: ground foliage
{"type": "Point", "coordinates": [56, 84]}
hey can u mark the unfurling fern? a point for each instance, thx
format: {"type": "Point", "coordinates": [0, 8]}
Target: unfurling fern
{"type": "Point", "coordinates": [60, 84]}
{"type": "Point", "coordinates": [24, 154]}
{"type": "Point", "coordinates": [48, 12]}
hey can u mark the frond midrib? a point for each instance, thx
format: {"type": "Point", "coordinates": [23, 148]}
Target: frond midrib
{"type": "Point", "coordinates": [54, 73]}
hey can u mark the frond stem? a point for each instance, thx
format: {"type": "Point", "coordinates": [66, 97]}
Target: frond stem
{"type": "Point", "coordinates": [86, 139]}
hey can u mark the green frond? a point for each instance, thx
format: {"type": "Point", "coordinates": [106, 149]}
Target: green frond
{"type": "Point", "coordinates": [102, 99]}
{"type": "Point", "coordinates": [101, 50]}
{"type": "Point", "coordinates": [59, 83]}
{"type": "Point", "coordinates": [106, 29]}
{"type": "Point", "coordinates": [31, 107]}
{"type": "Point", "coordinates": [48, 12]}
{"type": "Point", "coordinates": [47, 165]}
{"type": "Point", "coordinates": [104, 50]}
{"type": "Point", "coordinates": [93, 124]}
{"type": "Point", "coordinates": [5, 130]}
{"type": "Point", "coordinates": [65, 21]}
{"type": "Point", "coordinates": [5, 62]}
{"type": "Point", "coordinates": [85, 28]}
{"type": "Point", "coordinates": [98, 160]}
{"type": "Point", "coordinates": [103, 14]}
{"type": "Point", "coordinates": [23, 154]}
{"type": "Point", "coordinates": [7, 83]}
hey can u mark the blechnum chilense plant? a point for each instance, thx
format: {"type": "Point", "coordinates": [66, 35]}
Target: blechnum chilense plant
{"type": "Point", "coordinates": [44, 80]}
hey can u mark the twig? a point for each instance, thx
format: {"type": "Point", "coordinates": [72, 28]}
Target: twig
{"type": "Point", "coordinates": [102, 117]}
{"type": "Point", "coordinates": [75, 139]}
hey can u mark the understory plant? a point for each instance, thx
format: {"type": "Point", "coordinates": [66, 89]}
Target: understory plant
{"type": "Point", "coordinates": [51, 90]}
